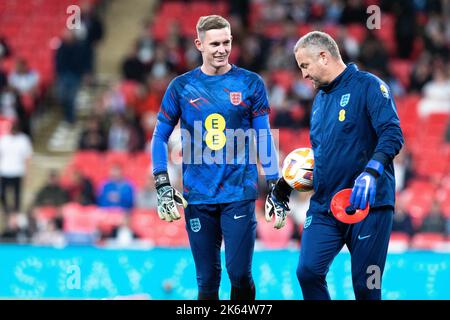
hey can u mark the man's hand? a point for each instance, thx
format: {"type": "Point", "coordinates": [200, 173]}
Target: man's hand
{"type": "Point", "coordinates": [168, 198]}
{"type": "Point", "coordinates": [365, 187]}
{"type": "Point", "coordinates": [277, 202]}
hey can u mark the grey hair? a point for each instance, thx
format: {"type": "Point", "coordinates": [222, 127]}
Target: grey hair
{"type": "Point", "coordinates": [319, 40]}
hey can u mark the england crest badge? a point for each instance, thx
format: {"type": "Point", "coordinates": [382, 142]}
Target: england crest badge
{"type": "Point", "coordinates": [195, 224]}
{"type": "Point", "coordinates": [236, 98]}
{"type": "Point", "coordinates": [345, 99]}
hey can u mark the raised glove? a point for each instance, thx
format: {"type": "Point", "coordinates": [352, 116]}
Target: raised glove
{"type": "Point", "coordinates": [277, 202]}
{"type": "Point", "coordinates": [365, 187]}
{"type": "Point", "coordinates": [168, 198]}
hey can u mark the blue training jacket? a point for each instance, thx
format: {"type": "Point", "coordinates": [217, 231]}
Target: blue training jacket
{"type": "Point", "coordinates": [353, 120]}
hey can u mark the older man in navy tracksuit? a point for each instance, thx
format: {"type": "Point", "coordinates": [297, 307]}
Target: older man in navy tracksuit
{"type": "Point", "coordinates": [355, 134]}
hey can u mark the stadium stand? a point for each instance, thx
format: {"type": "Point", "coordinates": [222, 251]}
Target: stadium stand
{"type": "Point", "coordinates": [32, 30]}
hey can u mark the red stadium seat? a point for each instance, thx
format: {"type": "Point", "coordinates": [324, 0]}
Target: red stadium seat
{"type": "Point", "coordinates": [172, 234]}
{"type": "Point", "coordinates": [427, 241]}
{"type": "Point", "coordinates": [357, 31]}
{"type": "Point", "coordinates": [402, 70]}
{"type": "Point", "coordinates": [272, 238]}
{"type": "Point", "coordinates": [418, 203]}
{"type": "Point", "coordinates": [142, 222]}
{"type": "Point", "coordinates": [399, 241]}
{"type": "Point", "coordinates": [284, 78]}
{"type": "Point", "coordinates": [80, 219]}
{"type": "Point", "coordinates": [5, 125]}
{"type": "Point", "coordinates": [45, 214]}
{"type": "Point", "coordinates": [117, 158]}
{"type": "Point", "coordinates": [110, 218]}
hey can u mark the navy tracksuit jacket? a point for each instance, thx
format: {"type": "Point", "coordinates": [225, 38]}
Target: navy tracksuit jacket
{"type": "Point", "coordinates": [353, 120]}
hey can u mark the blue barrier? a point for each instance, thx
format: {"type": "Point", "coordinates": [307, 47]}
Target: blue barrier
{"type": "Point", "coordinates": [86, 272]}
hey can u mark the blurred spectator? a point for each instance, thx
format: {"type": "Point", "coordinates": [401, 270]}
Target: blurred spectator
{"type": "Point", "coordinates": [137, 64]}
{"type": "Point", "coordinates": [279, 58]}
{"type": "Point", "coordinates": [5, 52]}
{"type": "Point", "coordinates": [81, 189]}
{"type": "Point", "coordinates": [123, 235]}
{"type": "Point", "coordinates": [89, 34]}
{"type": "Point", "coordinates": [122, 136]}
{"type": "Point", "coordinates": [146, 197]}
{"type": "Point", "coordinates": [49, 235]}
{"type": "Point", "coordinates": [70, 67]}
{"type": "Point", "coordinates": [397, 88]}
{"type": "Point", "coordinates": [116, 191]}
{"type": "Point", "coordinates": [435, 38]}
{"type": "Point", "coordinates": [348, 46]}
{"type": "Point", "coordinates": [274, 11]}
{"type": "Point", "coordinates": [15, 154]}
{"type": "Point", "coordinates": [92, 137]}
{"type": "Point", "coordinates": [333, 12]}
{"type": "Point", "coordinates": [161, 66]}
{"type": "Point", "coordinates": [52, 193]}
{"type": "Point", "coordinates": [421, 73]}
{"type": "Point", "coordinates": [434, 220]}
{"type": "Point", "coordinates": [354, 12]}
{"type": "Point", "coordinates": [374, 55]}
{"type": "Point", "coordinates": [16, 229]}
{"type": "Point", "coordinates": [11, 107]}
{"type": "Point", "coordinates": [3, 79]}
{"type": "Point", "coordinates": [26, 82]}
{"type": "Point", "coordinates": [402, 219]}
{"type": "Point", "coordinates": [403, 169]}
{"type": "Point", "coordinates": [436, 94]}
{"type": "Point", "coordinates": [405, 26]}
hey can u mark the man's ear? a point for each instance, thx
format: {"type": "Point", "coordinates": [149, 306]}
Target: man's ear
{"type": "Point", "coordinates": [323, 57]}
{"type": "Point", "coordinates": [198, 44]}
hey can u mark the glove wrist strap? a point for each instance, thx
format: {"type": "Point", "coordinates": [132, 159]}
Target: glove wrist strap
{"type": "Point", "coordinates": [161, 180]}
{"type": "Point", "coordinates": [375, 168]}
{"type": "Point", "coordinates": [282, 190]}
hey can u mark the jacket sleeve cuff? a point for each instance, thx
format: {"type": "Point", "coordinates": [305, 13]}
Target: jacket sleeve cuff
{"type": "Point", "coordinates": [382, 158]}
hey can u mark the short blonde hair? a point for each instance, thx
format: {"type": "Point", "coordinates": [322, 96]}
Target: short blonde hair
{"type": "Point", "coordinates": [206, 23]}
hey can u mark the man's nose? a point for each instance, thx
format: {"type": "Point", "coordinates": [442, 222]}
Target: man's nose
{"type": "Point", "coordinates": [221, 49]}
{"type": "Point", "coordinates": [305, 75]}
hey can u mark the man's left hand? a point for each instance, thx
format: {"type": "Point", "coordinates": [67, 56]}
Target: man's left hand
{"type": "Point", "coordinates": [365, 187]}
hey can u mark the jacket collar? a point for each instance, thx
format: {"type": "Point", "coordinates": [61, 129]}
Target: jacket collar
{"type": "Point", "coordinates": [341, 78]}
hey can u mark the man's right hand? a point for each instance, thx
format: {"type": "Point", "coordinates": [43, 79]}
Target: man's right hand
{"type": "Point", "coordinates": [168, 198]}
{"type": "Point", "coordinates": [277, 202]}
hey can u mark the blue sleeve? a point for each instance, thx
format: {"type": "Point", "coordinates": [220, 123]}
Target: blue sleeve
{"type": "Point", "coordinates": [102, 199]}
{"type": "Point", "coordinates": [170, 108]}
{"type": "Point", "coordinates": [260, 103]}
{"type": "Point", "coordinates": [159, 149]}
{"type": "Point", "coordinates": [384, 118]}
{"type": "Point", "coordinates": [128, 197]}
{"type": "Point", "coordinates": [267, 153]}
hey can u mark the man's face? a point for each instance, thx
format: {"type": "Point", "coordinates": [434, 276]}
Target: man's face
{"type": "Point", "coordinates": [215, 47]}
{"type": "Point", "coordinates": [311, 64]}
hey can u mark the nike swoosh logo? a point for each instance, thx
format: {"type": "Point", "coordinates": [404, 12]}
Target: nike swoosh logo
{"type": "Point", "coordinates": [367, 180]}
{"type": "Point", "coordinates": [362, 238]}
{"type": "Point", "coordinates": [238, 217]}
{"type": "Point", "coordinates": [194, 100]}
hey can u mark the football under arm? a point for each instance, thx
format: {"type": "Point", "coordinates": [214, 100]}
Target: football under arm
{"type": "Point", "coordinates": [159, 147]}
{"type": "Point", "coordinates": [267, 153]}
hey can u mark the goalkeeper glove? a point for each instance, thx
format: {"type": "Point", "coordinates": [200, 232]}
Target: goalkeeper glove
{"type": "Point", "coordinates": [168, 198]}
{"type": "Point", "coordinates": [277, 202]}
{"type": "Point", "coordinates": [365, 187]}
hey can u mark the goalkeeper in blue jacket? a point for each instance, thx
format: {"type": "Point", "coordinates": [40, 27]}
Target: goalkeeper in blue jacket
{"type": "Point", "coordinates": [355, 134]}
